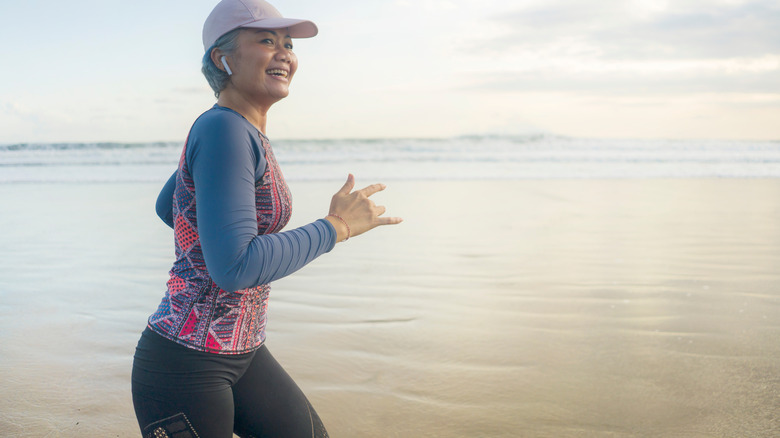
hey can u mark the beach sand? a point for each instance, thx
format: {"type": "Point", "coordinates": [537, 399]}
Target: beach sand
{"type": "Point", "coordinates": [537, 308]}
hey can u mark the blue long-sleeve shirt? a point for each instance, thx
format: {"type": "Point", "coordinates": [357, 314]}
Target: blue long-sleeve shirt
{"type": "Point", "coordinates": [227, 203]}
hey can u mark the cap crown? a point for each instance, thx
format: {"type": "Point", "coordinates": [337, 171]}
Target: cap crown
{"type": "Point", "coordinates": [232, 14]}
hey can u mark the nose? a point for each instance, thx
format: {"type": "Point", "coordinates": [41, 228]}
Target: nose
{"type": "Point", "coordinates": [284, 54]}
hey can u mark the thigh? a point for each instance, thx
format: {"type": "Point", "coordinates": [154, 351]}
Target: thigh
{"type": "Point", "coordinates": [177, 390]}
{"type": "Point", "coordinates": [269, 404]}
{"type": "Point", "coordinates": [185, 415]}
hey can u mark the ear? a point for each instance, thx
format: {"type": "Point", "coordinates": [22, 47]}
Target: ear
{"type": "Point", "coordinates": [215, 56]}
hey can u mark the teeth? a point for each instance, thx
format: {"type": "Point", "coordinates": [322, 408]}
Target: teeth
{"type": "Point", "coordinates": [277, 72]}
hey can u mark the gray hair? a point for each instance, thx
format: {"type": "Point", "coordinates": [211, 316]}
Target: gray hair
{"type": "Point", "coordinates": [217, 78]}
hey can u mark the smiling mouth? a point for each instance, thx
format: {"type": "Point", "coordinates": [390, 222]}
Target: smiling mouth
{"type": "Point", "coordinates": [277, 72]}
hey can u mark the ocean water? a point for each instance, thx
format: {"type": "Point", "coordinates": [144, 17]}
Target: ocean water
{"type": "Point", "coordinates": [458, 158]}
{"type": "Point", "coordinates": [539, 287]}
{"type": "Point", "coordinates": [629, 308]}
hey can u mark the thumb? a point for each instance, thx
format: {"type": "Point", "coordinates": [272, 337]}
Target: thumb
{"type": "Point", "coordinates": [348, 186]}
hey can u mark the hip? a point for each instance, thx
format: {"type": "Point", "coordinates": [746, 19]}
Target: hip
{"type": "Point", "coordinates": [162, 365]}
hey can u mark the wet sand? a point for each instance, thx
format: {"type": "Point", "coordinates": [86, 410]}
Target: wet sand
{"type": "Point", "coordinates": [561, 308]}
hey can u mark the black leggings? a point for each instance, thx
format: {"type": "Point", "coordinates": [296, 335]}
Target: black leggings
{"type": "Point", "coordinates": [181, 392]}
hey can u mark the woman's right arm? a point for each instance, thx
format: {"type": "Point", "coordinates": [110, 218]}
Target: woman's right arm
{"type": "Point", "coordinates": [164, 206]}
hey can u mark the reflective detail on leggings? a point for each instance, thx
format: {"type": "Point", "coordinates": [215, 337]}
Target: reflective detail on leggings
{"type": "Point", "coordinates": [317, 428]}
{"type": "Point", "coordinates": [177, 426]}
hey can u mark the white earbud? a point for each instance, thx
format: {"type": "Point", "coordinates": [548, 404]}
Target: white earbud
{"type": "Point", "coordinates": [227, 69]}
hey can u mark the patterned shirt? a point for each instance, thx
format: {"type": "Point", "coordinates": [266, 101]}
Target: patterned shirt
{"type": "Point", "coordinates": [229, 201]}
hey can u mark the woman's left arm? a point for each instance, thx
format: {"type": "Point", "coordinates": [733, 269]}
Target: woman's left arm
{"type": "Point", "coordinates": [222, 162]}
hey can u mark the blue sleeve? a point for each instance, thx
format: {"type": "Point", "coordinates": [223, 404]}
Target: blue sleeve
{"type": "Point", "coordinates": [164, 206]}
{"type": "Point", "coordinates": [225, 159]}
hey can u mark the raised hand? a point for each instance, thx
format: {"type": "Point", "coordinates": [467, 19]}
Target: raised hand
{"type": "Point", "coordinates": [353, 213]}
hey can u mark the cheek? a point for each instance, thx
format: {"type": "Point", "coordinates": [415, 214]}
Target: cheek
{"type": "Point", "coordinates": [293, 65]}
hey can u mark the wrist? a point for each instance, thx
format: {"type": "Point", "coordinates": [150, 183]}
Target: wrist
{"type": "Point", "coordinates": [343, 232]}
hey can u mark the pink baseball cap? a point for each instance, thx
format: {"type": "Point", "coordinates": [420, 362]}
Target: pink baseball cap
{"type": "Point", "coordinates": [257, 14]}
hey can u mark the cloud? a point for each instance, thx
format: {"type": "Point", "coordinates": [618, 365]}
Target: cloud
{"type": "Point", "coordinates": [621, 83]}
{"type": "Point", "coordinates": [625, 29]}
{"type": "Point", "coordinates": [752, 29]}
{"type": "Point", "coordinates": [428, 5]}
{"type": "Point", "coordinates": [735, 75]}
{"type": "Point", "coordinates": [621, 47]}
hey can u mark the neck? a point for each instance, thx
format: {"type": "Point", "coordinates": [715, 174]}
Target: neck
{"type": "Point", "coordinates": [254, 113]}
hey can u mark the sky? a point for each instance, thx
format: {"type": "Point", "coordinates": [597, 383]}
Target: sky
{"type": "Point", "coordinates": [129, 71]}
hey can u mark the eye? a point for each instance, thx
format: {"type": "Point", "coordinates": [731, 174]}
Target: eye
{"type": "Point", "coordinates": [288, 46]}
{"type": "Point", "coordinates": [269, 41]}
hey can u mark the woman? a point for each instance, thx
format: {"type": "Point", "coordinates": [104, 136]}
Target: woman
{"type": "Point", "coordinates": [201, 367]}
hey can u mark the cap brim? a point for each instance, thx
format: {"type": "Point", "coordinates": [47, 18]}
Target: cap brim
{"type": "Point", "coordinates": [297, 28]}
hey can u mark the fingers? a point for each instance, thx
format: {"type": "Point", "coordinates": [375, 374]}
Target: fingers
{"type": "Point", "coordinates": [380, 210]}
{"type": "Point", "coordinates": [367, 191]}
{"type": "Point", "coordinates": [373, 188]}
{"type": "Point", "coordinates": [348, 186]}
{"type": "Point", "coordinates": [354, 207]}
{"type": "Point", "coordinates": [389, 220]}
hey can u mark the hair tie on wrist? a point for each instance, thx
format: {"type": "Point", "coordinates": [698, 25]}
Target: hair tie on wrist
{"type": "Point", "coordinates": [349, 232]}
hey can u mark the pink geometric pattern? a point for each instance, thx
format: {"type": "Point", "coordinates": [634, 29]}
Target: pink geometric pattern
{"type": "Point", "coordinates": [194, 311]}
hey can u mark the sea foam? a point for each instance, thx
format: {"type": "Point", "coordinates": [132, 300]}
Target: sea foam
{"type": "Point", "coordinates": [458, 158]}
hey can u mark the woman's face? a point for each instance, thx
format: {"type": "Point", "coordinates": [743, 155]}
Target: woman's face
{"type": "Point", "coordinates": [263, 65]}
